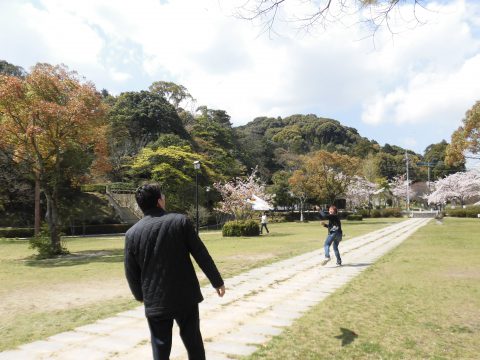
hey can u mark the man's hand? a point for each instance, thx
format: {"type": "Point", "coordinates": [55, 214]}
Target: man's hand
{"type": "Point", "coordinates": [221, 290]}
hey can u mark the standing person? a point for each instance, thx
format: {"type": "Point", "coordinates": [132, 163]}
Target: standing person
{"type": "Point", "coordinates": [264, 222]}
{"type": "Point", "coordinates": [160, 273]}
{"type": "Point", "coordinates": [334, 234]}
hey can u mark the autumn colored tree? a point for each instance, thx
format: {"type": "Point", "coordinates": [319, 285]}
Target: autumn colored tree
{"type": "Point", "coordinates": [300, 188]}
{"type": "Point", "coordinates": [329, 174]}
{"type": "Point", "coordinates": [47, 117]}
{"type": "Point", "coordinates": [466, 138]}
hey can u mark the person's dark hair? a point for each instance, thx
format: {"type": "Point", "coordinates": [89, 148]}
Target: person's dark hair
{"type": "Point", "coordinates": [334, 208]}
{"type": "Point", "coordinates": [147, 196]}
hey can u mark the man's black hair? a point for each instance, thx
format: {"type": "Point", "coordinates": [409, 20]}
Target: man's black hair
{"type": "Point", "coordinates": [147, 196]}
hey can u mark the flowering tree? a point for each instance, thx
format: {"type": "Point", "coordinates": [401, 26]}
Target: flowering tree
{"type": "Point", "coordinates": [237, 195]}
{"type": "Point", "coordinates": [360, 191]}
{"type": "Point", "coordinates": [398, 187]}
{"type": "Point", "coordinates": [459, 186]}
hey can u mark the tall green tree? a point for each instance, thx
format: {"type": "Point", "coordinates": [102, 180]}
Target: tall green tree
{"type": "Point", "coordinates": [137, 119]}
{"type": "Point", "coordinates": [172, 166]}
{"type": "Point", "coordinates": [214, 137]}
{"type": "Point", "coordinates": [435, 154]}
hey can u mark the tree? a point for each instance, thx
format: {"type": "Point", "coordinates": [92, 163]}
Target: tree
{"type": "Point", "coordinates": [48, 116]}
{"type": "Point", "coordinates": [435, 154]}
{"type": "Point", "coordinates": [12, 70]}
{"type": "Point", "coordinates": [280, 189]}
{"type": "Point", "coordinates": [360, 191]}
{"type": "Point", "coordinates": [172, 166]}
{"type": "Point", "coordinates": [137, 119]}
{"type": "Point", "coordinates": [329, 174]}
{"type": "Point", "coordinates": [399, 187]}
{"type": "Point", "coordinates": [238, 193]}
{"type": "Point", "coordinates": [300, 188]}
{"type": "Point", "coordinates": [466, 138]}
{"type": "Point", "coordinates": [172, 92]}
{"type": "Point", "coordinates": [213, 135]}
{"type": "Point", "coordinates": [323, 12]}
{"type": "Point", "coordinates": [460, 186]}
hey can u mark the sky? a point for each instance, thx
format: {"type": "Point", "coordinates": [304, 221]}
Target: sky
{"type": "Point", "coordinates": [408, 87]}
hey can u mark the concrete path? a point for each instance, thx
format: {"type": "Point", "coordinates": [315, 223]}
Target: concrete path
{"type": "Point", "coordinates": [257, 306]}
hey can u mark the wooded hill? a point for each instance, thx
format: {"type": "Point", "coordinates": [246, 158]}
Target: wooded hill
{"type": "Point", "coordinates": [150, 137]}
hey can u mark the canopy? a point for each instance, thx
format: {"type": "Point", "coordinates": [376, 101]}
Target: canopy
{"type": "Point", "coordinates": [259, 204]}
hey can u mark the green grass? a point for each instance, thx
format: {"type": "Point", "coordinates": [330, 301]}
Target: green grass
{"type": "Point", "coordinates": [420, 301]}
{"type": "Point", "coordinates": [100, 259]}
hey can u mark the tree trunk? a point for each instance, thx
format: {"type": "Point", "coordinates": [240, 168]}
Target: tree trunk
{"type": "Point", "coordinates": [52, 219]}
{"type": "Point", "coordinates": [37, 204]}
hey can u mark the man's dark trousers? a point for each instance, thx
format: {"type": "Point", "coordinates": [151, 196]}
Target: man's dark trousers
{"type": "Point", "coordinates": [161, 334]}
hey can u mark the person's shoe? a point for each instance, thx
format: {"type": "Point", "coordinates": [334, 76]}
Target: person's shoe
{"type": "Point", "coordinates": [339, 264]}
{"type": "Point", "coordinates": [326, 260]}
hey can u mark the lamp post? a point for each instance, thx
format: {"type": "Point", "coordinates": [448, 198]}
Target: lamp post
{"type": "Point", "coordinates": [196, 166]}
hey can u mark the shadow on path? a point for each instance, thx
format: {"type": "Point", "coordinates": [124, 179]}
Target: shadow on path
{"type": "Point", "coordinates": [347, 336]}
{"type": "Point", "coordinates": [357, 265]}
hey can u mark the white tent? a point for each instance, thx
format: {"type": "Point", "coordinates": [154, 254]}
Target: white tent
{"type": "Point", "coordinates": [259, 204]}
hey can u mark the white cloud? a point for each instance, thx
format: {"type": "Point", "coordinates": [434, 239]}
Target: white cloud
{"type": "Point", "coordinates": [424, 76]}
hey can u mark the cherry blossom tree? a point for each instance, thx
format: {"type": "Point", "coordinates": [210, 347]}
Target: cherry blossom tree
{"type": "Point", "coordinates": [460, 186]}
{"type": "Point", "coordinates": [237, 195]}
{"type": "Point", "coordinates": [398, 187]}
{"type": "Point", "coordinates": [360, 191]}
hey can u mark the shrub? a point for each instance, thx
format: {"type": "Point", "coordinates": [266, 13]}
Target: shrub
{"type": "Point", "coordinates": [241, 228]}
{"type": "Point", "coordinates": [43, 245]}
{"type": "Point", "coordinates": [16, 232]}
{"type": "Point", "coordinates": [392, 212]}
{"type": "Point", "coordinates": [354, 217]}
{"type": "Point", "coordinates": [376, 213]}
{"type": "Point", "coordinates": [470, 212]}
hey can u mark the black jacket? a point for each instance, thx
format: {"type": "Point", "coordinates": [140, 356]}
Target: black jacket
{"type": "Point", "coordinates": [334, 224]}
{"type": "Point", "coordinates": [158, 266]}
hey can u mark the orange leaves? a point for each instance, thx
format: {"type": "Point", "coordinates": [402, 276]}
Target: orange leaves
{"type": "Point", "coordinates": [49, 112]}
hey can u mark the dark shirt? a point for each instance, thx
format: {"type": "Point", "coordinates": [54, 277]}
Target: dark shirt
{"type": "Point", "coordinates": [334, 224]}
{"type": "Point", "coordinates": [158, 266]}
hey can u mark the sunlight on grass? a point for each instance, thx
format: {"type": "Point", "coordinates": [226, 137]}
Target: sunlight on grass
{"type": "Point", "coordinates": [420, 301]}
{"type": "Point", "coordinates": [97, 263]}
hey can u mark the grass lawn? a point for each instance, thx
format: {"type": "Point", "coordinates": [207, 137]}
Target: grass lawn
{"type": "Point", "coordinates": [97, 263]}
{"type": "Point", "coordinates": [420, 301]}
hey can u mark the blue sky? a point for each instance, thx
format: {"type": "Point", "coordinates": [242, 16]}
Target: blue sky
{"type": "Point", "coordinates": [409, 89]}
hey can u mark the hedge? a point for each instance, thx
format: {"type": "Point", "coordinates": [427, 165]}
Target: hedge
{"type": "Point", "coordinates": [16, 232]}
{"type": "Point", "coordinates": [77, 230]}
{"type": "Point", "coordinates": [241, 228]}
{"type": "Point", "coordinates": [470, 212]}
{"type": "Point", "coordinates": [354, 217]}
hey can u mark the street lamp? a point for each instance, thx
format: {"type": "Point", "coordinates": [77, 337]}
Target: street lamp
{"type": "Point", "coordinates": [196, 166]}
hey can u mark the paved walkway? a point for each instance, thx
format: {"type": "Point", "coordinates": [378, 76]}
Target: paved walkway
{"type": "Point", "coordinates": [258, 304]}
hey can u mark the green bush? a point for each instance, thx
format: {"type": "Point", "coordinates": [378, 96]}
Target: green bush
{"type": "Point", "coordinates": [470, 212]}
{"type": "Point", "coordinates": [43, 245]}
{"type": "Point", "coordinates": [376, 213]}
{"type": "Point", "coordinates": [355, 217]}
{"type": "Point", "coordinates": [99, 188]}
{"type": "Point", "coordinates": [16, 232]}
{"type": "Point", "coordinates": [241, 228]}
{"type": "Point", "coordinates": [392, 212]}
{"type": "Point", "coordinates": [97, 229]}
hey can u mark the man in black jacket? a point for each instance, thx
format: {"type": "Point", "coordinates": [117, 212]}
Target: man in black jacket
{"type": "Point", "coordinates": [160, 273]}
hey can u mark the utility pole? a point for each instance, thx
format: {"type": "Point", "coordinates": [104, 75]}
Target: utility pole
{"type": "Point", "coordinates": [428, 165]}
{"type": "Point", "coordinates": [408, 190]}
